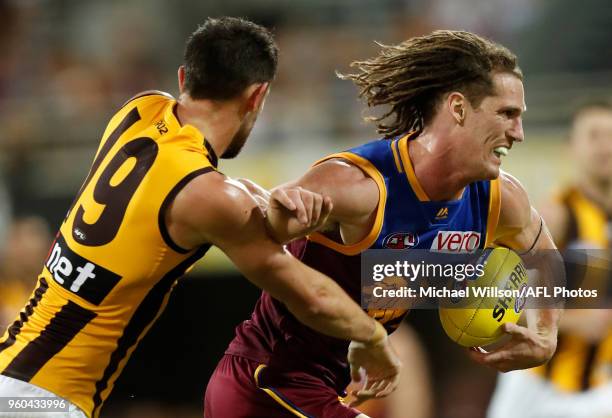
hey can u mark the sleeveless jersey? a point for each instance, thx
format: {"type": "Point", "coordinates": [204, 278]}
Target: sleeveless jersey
{"type": "Point", "coordinates": [405, 219]}
{"type": "Point", "coordinates": [112, 266]}
{"type": "Point", "coordinates": [578, 364]}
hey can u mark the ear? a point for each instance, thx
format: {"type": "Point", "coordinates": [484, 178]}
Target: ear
{"type": "Point", "coordinates": [457, 106]}
{"type": "Point", "coordinates": [181, 78]}
{"type": "Point", "coordinates": [256, 94]}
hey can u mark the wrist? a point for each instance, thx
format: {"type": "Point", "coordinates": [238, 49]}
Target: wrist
{"type": "Point", "coordinates": [379, 334]}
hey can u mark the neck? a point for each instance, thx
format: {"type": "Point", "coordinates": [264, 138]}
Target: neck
{"type": "Point", "coordinates": [218, 121]}
{"type": "Point", "coordinates": [599, 191]}
{"type": "Point", "coordinates": [440, 176]}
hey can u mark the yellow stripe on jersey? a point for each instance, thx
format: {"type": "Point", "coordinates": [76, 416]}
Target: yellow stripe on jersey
{"type": "Point", "coordinates": [396, 157]}
{"type": "Point", "coordinates": [403, 145]}
{"type": "Point", "coordinates": [494, 211]}
{"type": "Point", "coordinates": [370, 238]}
{"type": "Point", "coordinates": [112, 266]}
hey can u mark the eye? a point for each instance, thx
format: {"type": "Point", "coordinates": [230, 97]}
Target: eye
{"type": "Point", "coordinates": [510, 113]}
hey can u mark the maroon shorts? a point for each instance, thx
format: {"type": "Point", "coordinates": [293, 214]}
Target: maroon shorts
{"type": "Point", "coordinates": [241, 388]}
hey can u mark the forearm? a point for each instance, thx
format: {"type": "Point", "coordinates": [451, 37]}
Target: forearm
{"type": "Point", "coordinates": [315, 299]}
{"type": "Point", "coordinates": [333, 312]}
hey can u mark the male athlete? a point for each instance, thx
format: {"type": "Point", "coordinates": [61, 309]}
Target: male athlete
{"type": "Point", "coordinates": [455, 101]}
{"type": "Point", "coordinates": [152, 204]}
{"type": "Point", "coordinates": [577, 381]}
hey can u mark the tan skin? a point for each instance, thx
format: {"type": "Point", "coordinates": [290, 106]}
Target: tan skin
{"type": "Point", "coordinates": [213, 209]}
{"type": "Point", "coordinates": [591, 148]}
{"type": "Point", "coordinates": [455, 149]}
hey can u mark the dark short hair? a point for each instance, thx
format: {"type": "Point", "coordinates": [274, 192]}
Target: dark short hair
{"type": "Point", "coordinates": [225, 55]}
{"type": "Point", "coordinates": [411, 78]}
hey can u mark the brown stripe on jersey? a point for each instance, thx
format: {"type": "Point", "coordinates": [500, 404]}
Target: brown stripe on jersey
{"type": "Point", "coordinates": [589, 360]}
{"type": "Point", "coordinates": [130, 119]}
{"type": "Point", "coordinates": [62, 328]}
{"type": "Point", "coordinates": [211, 154]}
{"type": "Point", "coordinates": [548, 367]}
{"type": "Point", "coordinates": [571, 233]}
{"type": "Point", "coordinates": [161, 218]}
{"type": "Point", "coordinates": [15, 328]}
{"type": "Point", "coordinates": [143, 316]}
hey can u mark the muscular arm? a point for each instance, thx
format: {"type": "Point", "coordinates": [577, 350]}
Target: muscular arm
{"type": "Point", "coordinates": [353, 193]}
{"type": "Point", "coordinates": [521, 228]}
{"type": "Point", "coordinates": [214, 209]}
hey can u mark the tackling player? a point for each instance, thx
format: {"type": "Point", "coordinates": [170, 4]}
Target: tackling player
{"type": "Point", "coordinates": [152, 204]}
{"type": "Point", "coordinates": [455, 104]}
{"type": "Point", "coordinates": [577, 381]}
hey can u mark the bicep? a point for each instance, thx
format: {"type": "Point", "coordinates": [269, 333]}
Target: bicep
{"type": "Point", "coordinates": [520, 226]}
{"type": "Point", "coordinates": [353, 193]}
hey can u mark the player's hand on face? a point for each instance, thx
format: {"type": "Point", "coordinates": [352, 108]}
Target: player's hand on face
{"type": "Point", "coordinates": [525, 349]}
{"type": "Point", "coordinates": [381, 366]}
{"type": "Point", "coordinates": [295, 212]}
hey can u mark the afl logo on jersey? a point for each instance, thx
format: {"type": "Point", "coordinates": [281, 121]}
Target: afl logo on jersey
{"type": "Point", "coordinates": [400, 240]}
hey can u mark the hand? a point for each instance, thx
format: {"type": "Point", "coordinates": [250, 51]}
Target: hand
{"type": "Point", "coordinates": [526, 348]}
{"type": "Point", "coordinates": [295, 212]}
{"type": "Point", "coordinates": [381, 366]}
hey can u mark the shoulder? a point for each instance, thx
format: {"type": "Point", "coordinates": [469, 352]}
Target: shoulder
{"type": "Point", "coordinates": [341, 170]}
{"type": "Point", "coordinates": [515, 205]}
{"type": "Point", "coordinates": [148, 93]}
{"type": "Point", "coordinates": [352, 188]}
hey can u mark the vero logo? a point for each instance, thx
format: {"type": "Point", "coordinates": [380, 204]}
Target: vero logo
{"type": "Point", "coordinates": [456, 242]}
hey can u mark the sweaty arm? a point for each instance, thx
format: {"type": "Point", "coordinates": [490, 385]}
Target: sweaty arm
{"type": "Point", "coordinates": [214, 209]}
{"type": "Point", "coordinates": [521, 228]}
{"type": "Point", "coordinates": [354, 195]}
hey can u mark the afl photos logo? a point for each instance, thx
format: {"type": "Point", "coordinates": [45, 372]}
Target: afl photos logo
{"type": "Point", "coordinates": [400, 240]}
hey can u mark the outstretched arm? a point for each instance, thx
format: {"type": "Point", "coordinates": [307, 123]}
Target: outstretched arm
{"type": "Point", "coordinates": [214, 209]}
{"type": "Point", "coordinates": [522, 229]}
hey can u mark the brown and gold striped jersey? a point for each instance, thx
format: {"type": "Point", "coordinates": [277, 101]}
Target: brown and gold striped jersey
{"type": "Point", "coordinates": [578, 364]}
{"type": "Point", "coordinates": [112, 265]}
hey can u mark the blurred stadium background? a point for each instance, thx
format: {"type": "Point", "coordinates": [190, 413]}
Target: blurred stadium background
{"type": "Point", "coordinates": [67, 65]}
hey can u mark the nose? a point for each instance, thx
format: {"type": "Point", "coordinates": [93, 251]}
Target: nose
{"type": "Point", "coordinates": [515, 133]}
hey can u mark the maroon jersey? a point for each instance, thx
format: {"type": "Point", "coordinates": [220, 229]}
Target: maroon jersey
{"type": "Point", "coordinates": [273, 336]}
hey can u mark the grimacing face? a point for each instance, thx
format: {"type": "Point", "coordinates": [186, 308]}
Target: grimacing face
{"type": "Point", "coordinates": [591, 142]}
{"type": "Point", "coordinates": [494, 126]}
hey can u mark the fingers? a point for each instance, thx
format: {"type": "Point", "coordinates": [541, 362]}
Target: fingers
{"type": "Point", "coordinates": [310, 208]}
{"type": "Point", "coordinates": [308, 201]}
{"type": "Point", "coordinates": [516, 331]}
{"type": "Point", "coordinates": [281, 197]}
{"type": "Point", "coordinates": [374, 389]}
{"type": "Point", "coordinates": [301, 212]}
{"type": "Point", "coordinates": [317, 206]}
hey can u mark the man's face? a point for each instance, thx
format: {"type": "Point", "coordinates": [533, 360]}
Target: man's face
{"type": "Point", "coordinates": [494, 126]}
{"type": "Point", "coordinates": [241, 136]}
{"type": "Point", "coordinates": [591, 141]}
{"type": "Point", "coordinates": [244, 131]}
